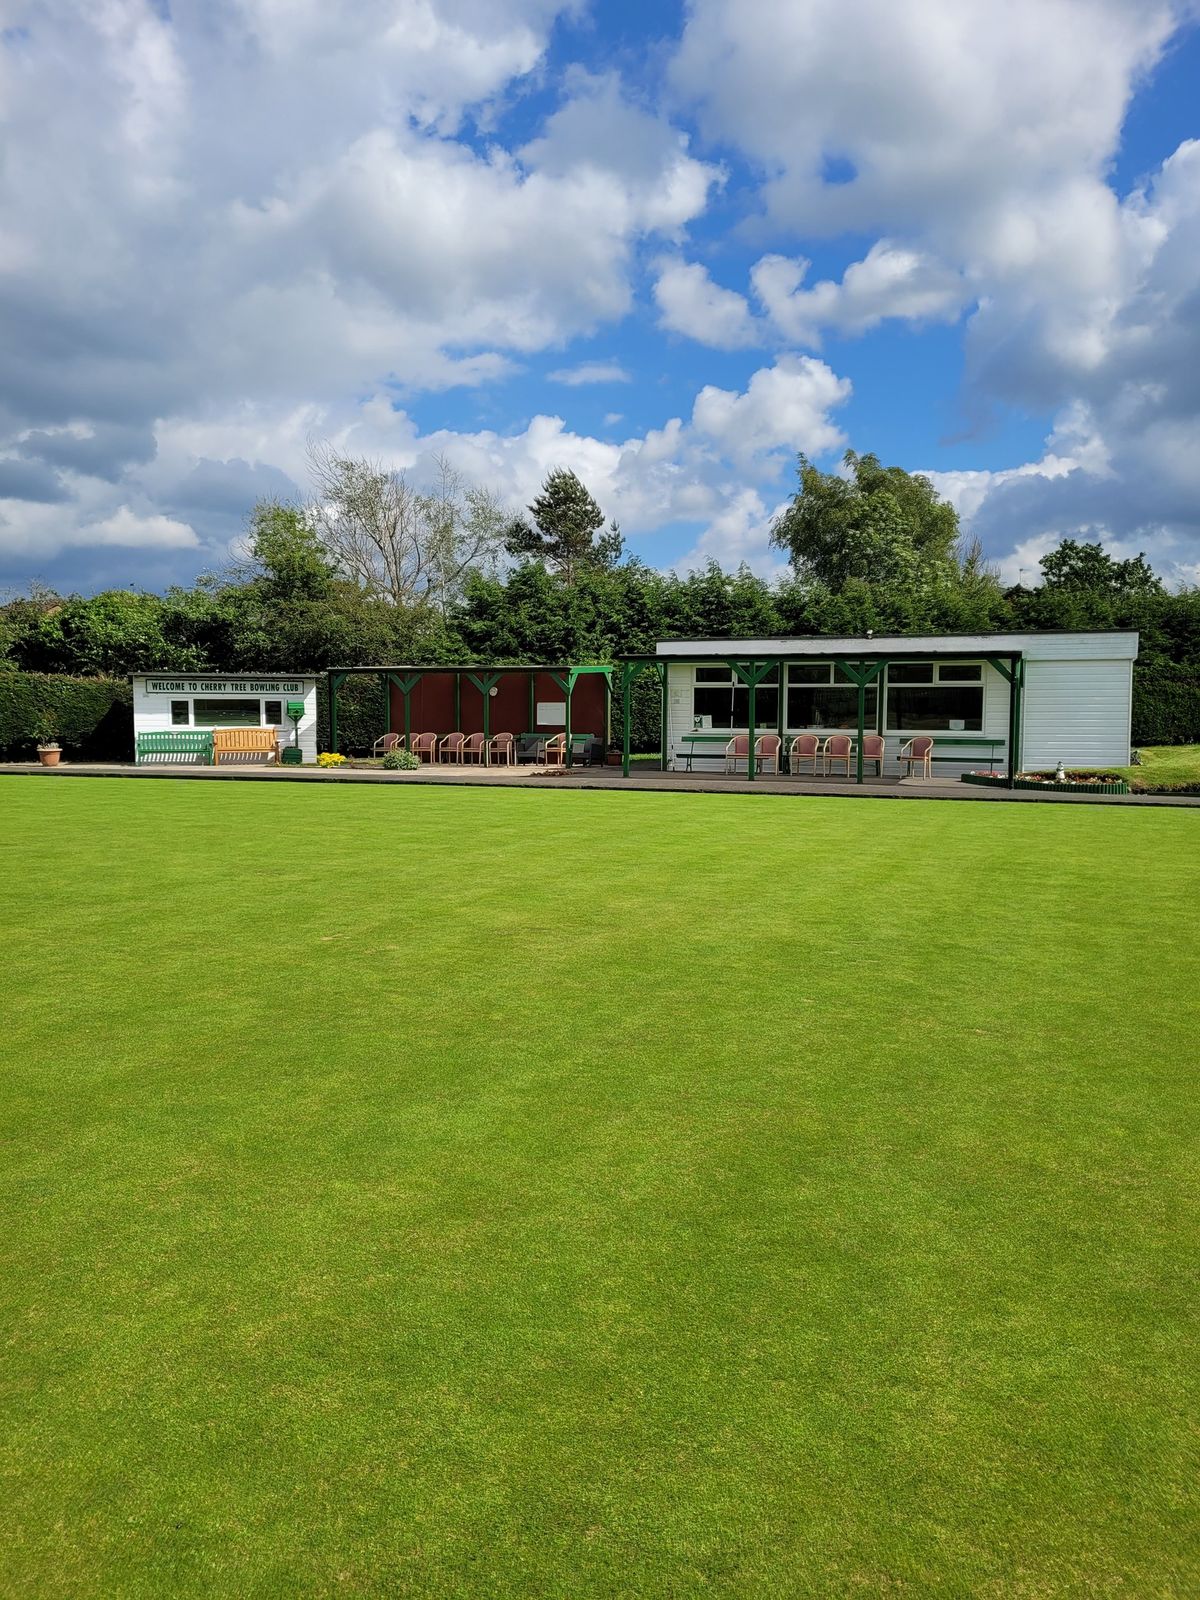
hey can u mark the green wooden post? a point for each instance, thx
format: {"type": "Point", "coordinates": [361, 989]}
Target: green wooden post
{"type": "Point", "coordinates": [485, 682]}
{"type": "Point", "coordinates": [664, 742]}
{"type": "Point", "coordinates": [862, 714]}
{"type": "Point", "coordinates": [332, 687]}
{"type": "Point", "coordinates": [626, 681]}
{"type": "Point", "coordinates": [750, 744]}
{"type": "Point", "coordinates": [570, 692]}
{"type": "Point", "coordinates": [780, 719]}
{"type": "Point", "coordinates": [607, 712]}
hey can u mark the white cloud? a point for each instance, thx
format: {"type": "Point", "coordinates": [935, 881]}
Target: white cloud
{"type": "Point", "coordinates": [892, 280]}
{"type": "Point", "coordinates": [689, 302]}
{"type": "Point", "coordinates": [128, 528]}
{"type": "Point", "coordinates": [786, 405]}
{"type": "Point", "coordinates": [590, 372]}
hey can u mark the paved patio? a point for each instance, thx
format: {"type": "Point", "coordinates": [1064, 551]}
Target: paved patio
{"type": "Point", "coordinates": [887, 788]}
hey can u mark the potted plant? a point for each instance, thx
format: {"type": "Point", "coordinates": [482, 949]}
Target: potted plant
{"type": "Point", "coordinates": [48, 747]}
{"type": "Point", "coordinates": [613, 755]}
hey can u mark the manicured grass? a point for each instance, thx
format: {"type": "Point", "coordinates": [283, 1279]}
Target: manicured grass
{"type": "Point", "coordinates": [1168, 763]}
{"type": "Point", "coordinates": [418, 1191]}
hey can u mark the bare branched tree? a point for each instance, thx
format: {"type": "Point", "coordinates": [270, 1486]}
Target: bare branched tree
{"type": "Point", "coordinates": [412, 546]}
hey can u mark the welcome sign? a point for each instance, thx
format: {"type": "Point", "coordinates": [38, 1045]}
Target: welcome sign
{"type": "Point", "coordinates": [224, 686]}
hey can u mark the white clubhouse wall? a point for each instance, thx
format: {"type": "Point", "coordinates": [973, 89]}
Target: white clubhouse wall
{"type": "Point", "coordinates": [153, 693]}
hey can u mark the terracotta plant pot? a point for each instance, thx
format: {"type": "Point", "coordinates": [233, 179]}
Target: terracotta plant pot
{"type": "Point", "coordinates": [613, 758]}
{"type": "Point", "coordinates": [48, 758]}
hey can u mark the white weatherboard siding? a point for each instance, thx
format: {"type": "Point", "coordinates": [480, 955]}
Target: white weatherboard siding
{"type": "Point", "coordinates": [153, 693]}
{"type": "Point", "coordinates": [1076, 712]}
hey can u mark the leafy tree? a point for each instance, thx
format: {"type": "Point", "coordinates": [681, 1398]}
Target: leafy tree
{"type": "Point", "coordinates": [880, 525]}
{"type": "Point", "coordinates": [564, 531]}
{"type": "Point", "coordinates": [1089, 568]}
{"type": "Point", "coordinates": [286, 552]}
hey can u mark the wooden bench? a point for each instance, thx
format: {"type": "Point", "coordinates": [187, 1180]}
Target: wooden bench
{"type": "Point", "coordinates": [174, 742]}
{"type": "Point", "coordinates": [245, 741]}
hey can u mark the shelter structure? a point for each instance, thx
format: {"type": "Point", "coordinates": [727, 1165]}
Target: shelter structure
{"type": "Point", "coordinates": [526, 699]}
{"type": "Point", "coordinates": [998, 701]}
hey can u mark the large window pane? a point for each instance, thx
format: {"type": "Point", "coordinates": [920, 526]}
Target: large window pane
{"type": "Point", "coordinates": [942, 709]}
{"type": "Point", "coordinates": [828, 706]}
{"type": "Point", "coordinates": [226, 714]}
{"type": "Point", "coordinates": [726, 701]}
{"type": "Point", "coordinates": [960, 672]}
{"type": "Point", "coordinates": [910, 672]}
{"type": "Point", "coordinates": [810, 672]}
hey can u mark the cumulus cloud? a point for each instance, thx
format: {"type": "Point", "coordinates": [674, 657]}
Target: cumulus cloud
{"type": "Point", "coordinates": [891, 281]}
{"type": "Point", "coordinates": [689, 302]}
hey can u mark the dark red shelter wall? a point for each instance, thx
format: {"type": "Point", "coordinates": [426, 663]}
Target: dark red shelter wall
{"type": "Point", "coordinates": [432, 704]}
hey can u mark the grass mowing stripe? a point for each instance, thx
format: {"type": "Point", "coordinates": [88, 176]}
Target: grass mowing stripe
{"type": "Point", "coordinates": [446, 1192]}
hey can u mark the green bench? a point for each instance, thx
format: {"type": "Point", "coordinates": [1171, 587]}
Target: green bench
{"type": "Point", "coordinates": [175, 742]}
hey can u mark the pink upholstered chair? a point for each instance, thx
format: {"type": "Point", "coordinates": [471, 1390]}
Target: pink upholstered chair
{"type": "Point", "coordinates": [766, 748]}
{"type": "Point", "coordinates": [474, 748]}
{"type": "Point", "coordinates": [451, 746]}
{"type": "Point", "coordinates": [738, 749]}
{"type": "Point", "coordinates": [873, 751]}
{"type": "Point", "coordinates": [838, 747]}
{"type": "Point", "coordinates": [424, 746]}
{"type": "Point", "coordinates": [918, 752]}
{"type": "Point", "coordinates": [386, 742]}
{"type": "Point", "coordinates": [805, 747]}
{"type": "Point", "coordinates": [502, 749]}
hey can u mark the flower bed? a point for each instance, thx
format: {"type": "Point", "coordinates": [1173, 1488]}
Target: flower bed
{"type": "Point", "coordinates": [1077, 782]}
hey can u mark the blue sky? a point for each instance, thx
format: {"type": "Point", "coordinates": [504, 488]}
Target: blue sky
{"type": "Point", "coordinates": [667, 245]}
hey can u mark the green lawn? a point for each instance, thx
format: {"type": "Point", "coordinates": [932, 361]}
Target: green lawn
{"type": "Point", "coordinates": [421, 1191]}
{"type": "Point", "coordinates": [1167, 763]}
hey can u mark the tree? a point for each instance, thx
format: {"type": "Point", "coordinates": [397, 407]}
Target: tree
{"type": "Point", "coordinates": [414, 547]}
{"type": "Point", "coordinates": [1089, 568]}
{"type": "Point", "coordinates": [880, 525]}
{"type": "Point", "coordinates": [564, 534]}
{"type": "Point", "coordinates": [286, 552]}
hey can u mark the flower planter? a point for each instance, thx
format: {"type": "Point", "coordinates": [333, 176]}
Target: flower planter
{"type": "Point", "coordinates": [992, 780]}
{"type": "Point", "coordinates": [49, 758]}
{"type": "Point", "coordinates": [613, 758]}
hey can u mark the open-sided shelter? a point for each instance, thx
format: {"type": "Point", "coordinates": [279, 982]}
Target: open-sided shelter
{"type": "Point", "coordinates": [990, 700]}
{"type": "Point", "coordinates": [522, 700]}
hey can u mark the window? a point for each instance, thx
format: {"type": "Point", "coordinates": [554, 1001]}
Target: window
{"type": "Point", "coordinates": [819, 697]}
{"type": "Point", "coordinates": [273, 713]}
{"type": "Point", "coordinates": [910, 672]}
{"type": "Point", "coordinates": [227, 713]}
{"type": "Point", "coordinates": [725, 700]}
{"type": "Point", "coordinates": [960, 672]}
{"type": "Point", "coordinates": [180, 713]}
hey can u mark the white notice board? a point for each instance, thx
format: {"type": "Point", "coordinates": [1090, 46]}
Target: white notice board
{"type": "Point", "coordinates": [552, 713]}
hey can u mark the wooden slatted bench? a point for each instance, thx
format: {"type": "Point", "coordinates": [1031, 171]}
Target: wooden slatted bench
{"type": "Point", "coordinates": [174, 742]}
{"type": "Point", "coordinates": [245, 741]}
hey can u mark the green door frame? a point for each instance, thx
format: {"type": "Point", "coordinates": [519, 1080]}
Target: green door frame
{"type": "Point", "coordinates": [627, 672]}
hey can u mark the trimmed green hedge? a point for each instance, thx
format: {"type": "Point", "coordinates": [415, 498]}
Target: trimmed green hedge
{"type": "Point", "coordinates": [1166, 707]}
{"type": "Point", "coordinates": [362, 714]}
{"type": "Point", "coordinates": [92, 718]}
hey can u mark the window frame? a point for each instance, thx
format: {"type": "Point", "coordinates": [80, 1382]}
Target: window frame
{"type": "Point", "coordinates": [230, 700]}
{"type": "Point", "coordinates": [942, 677]}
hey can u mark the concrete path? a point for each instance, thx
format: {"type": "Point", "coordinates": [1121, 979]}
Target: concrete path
{"type": "Point", "coordinates": [600, 778]}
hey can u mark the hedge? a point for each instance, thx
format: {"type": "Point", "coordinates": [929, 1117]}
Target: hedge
{"type": "Point", "coordinates": [362, 714]}
{"type": "Point", "coordinates": [92, 718]}
{"type": "Point", "coordinates": [1166, 707]}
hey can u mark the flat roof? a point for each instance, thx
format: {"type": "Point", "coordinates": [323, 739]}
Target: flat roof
{"type": "Point", "coordinates": [481, 666]}
{"type": "Point", "coordinates": [1054, 644]}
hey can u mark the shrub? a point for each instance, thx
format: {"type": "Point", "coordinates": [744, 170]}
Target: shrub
{"type": "Point", "coordinates": [90, 717]}
{"type": "Point", "coordinates": [330, 758]}
{"type": "Point", "coordinates": [401, 761]}
{"type": "Point", "coordinates": [1166, 706]}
